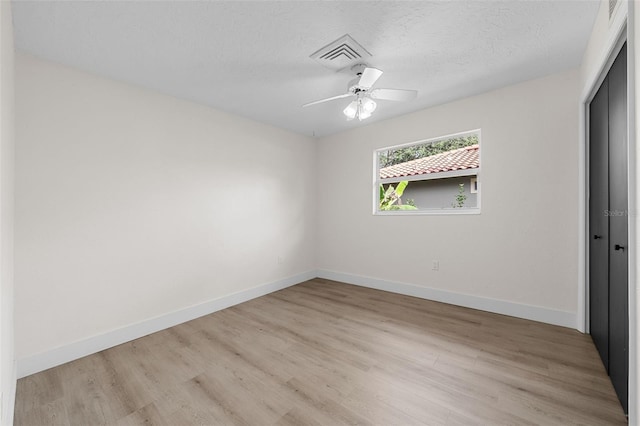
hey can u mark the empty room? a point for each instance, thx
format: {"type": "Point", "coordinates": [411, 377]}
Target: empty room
{"type": "Point", "coordinates": [319, 212]}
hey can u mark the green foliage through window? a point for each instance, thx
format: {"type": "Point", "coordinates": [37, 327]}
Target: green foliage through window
{"type": "Point", "coordinates": [390, 197]}
{"type": "Point", "coordinates": [402, 155]}
{"type": "Point", "coordinates": [460, 198]}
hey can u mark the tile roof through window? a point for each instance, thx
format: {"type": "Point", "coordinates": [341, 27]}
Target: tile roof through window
{"type": "Point", "coordinates": [456, 159]}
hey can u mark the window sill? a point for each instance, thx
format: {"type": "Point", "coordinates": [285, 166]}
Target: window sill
{"type": "Point", "coordinates": [431, 212]}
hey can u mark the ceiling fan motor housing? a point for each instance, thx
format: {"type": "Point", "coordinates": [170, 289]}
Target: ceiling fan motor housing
{"type": "Point", "coordinates": [352, 86]}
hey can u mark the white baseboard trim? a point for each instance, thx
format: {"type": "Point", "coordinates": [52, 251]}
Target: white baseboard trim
{"type": "Point", "coordinates": [43, 361]}
{"type": "Point", "coordinates": [535, 313]}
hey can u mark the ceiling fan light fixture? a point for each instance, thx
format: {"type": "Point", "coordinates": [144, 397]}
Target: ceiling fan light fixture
{"type": "Point", "coordinates": [363, 115]}
{"type": "Point", "coordinates": [361, 108]}
{"type": "Point", "coordinates": [368, 105]}
{"type": "Point", "coordinates": [351, 110]}
{"type": "Point", "coordinates": [365, 107]}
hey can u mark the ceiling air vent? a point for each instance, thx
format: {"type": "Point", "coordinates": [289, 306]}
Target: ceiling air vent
{"type": "Point", "coordinates": [342, 53]}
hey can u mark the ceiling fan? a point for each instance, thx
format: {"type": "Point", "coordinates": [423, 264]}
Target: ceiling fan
{"type": "Point", "coordinates": [361, 87]}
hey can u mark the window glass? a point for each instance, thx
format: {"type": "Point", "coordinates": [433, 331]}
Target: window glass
{"type": "Point", "coordinates": [436, 175]}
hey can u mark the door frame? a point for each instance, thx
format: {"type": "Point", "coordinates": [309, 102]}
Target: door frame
{"type": "Point", "coordinates": [621, 30]}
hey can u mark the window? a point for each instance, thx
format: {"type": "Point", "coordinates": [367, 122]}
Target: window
{"type": "Point", "coordinates": [439, 175]}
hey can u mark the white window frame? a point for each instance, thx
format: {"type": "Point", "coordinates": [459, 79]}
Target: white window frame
{"type": "Point", "coordinates": [442, 211]}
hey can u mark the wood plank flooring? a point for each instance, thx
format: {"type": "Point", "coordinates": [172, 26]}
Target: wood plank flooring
{"type": "Point", "coordinates": [327, 353]}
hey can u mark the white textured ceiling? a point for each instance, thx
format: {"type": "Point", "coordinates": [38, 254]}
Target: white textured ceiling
{"type": "Point", "coordinates": [252, 58]}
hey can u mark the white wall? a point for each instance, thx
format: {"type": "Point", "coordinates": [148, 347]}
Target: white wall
{"type": "Point", "coordinates": [7, 364]}
{"type": "Point", "coordinates": [521, 249]}
{"type": "Point", "coordinates": [131, 205]}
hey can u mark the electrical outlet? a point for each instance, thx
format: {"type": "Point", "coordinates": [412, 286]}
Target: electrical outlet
{"type": "Point", "coordinates": [436, 265]}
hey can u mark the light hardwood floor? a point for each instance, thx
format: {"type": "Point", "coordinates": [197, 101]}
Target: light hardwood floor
{"type": "Point", "coordinates": [327, 353]}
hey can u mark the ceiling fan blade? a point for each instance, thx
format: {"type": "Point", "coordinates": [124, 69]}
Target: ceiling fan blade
{"type": "Point", "coordinates": [369, 77]}
{"type": "Point", "coordinates": [327, 99]}
{"type": "Point", "coordinates": [394, 94]}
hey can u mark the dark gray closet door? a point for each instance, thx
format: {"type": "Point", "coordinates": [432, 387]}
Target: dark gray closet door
{"type": "Point", "coordinates": [608, 225]}
{"type": "Point", "coordinates": [618, 229]}
{"type": "Point", "coordinates": [599, 221]}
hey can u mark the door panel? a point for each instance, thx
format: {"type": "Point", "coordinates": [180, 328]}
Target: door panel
{"type": "Point", "coordinates": [618, 229]}
{"type": "Point", "coordinates": [599, 222]}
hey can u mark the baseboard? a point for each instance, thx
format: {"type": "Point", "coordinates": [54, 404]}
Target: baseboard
{"type": "Point", "coordinates": [535, 313]}
{"type": "Point", "coordinates": [43, 361]}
